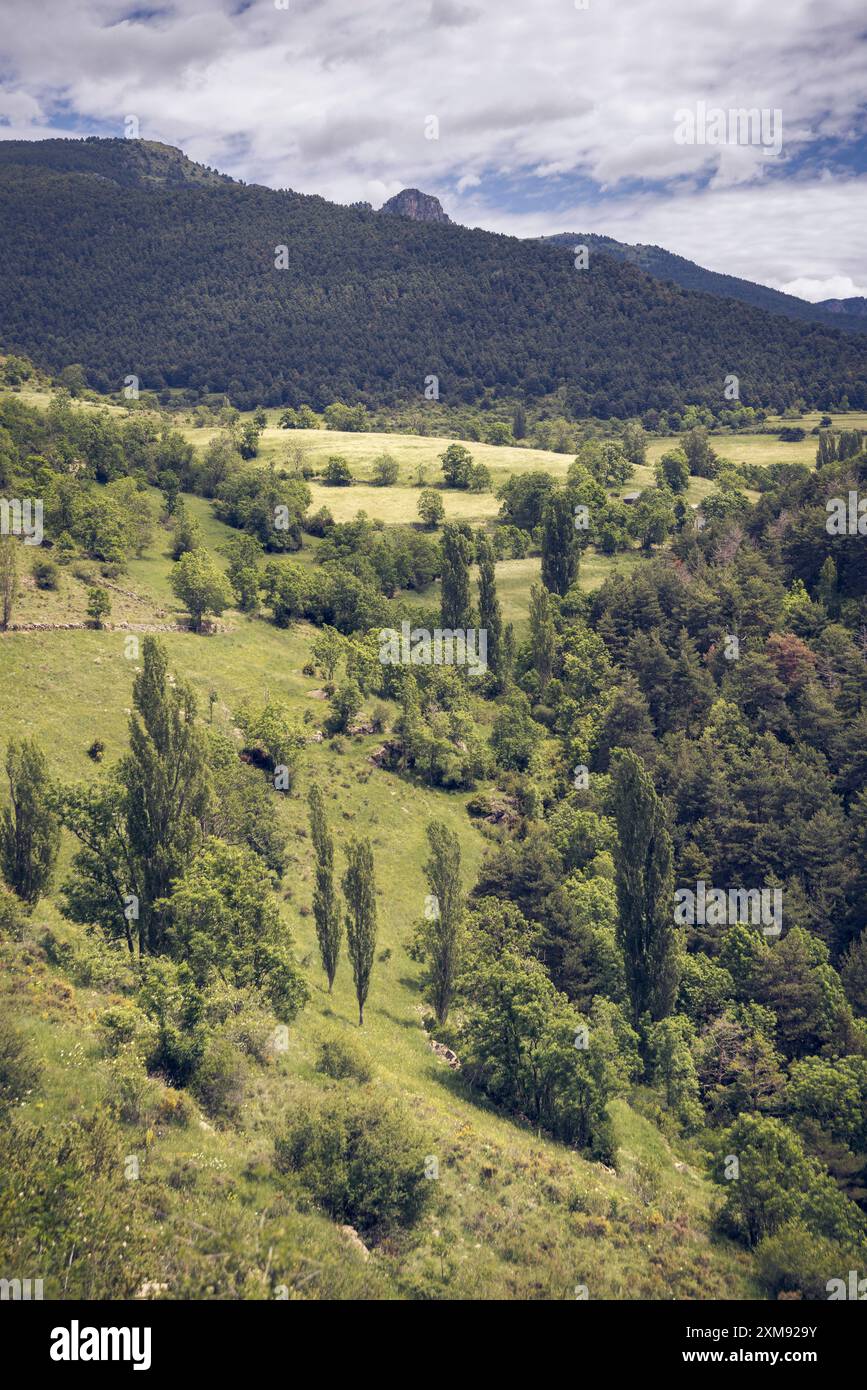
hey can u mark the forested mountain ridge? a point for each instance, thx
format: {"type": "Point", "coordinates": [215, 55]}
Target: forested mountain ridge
{"type": "Point", "coordinates": [176, 281]}
{"type": "Point", "coordinates": [847, 314]}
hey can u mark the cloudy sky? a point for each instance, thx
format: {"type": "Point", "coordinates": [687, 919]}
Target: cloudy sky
{"type": "Point", "coordinates": [548, 115]}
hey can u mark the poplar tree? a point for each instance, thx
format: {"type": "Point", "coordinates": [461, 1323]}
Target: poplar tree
{"type": "Point", "coordinates": [326, 910]}
{"type": "Point", "coordinates": [29, 831]}
{"type": "Point", "coordinates": [443, 926]}
{"type": "Point", "coordinates": [456, 556]}
{"type": "Point", "coordinates": [542, 634]}
{"type": "Point", "coordinates": [645, 891]}
{"type": "Point", "coordinates": [359, 890]}
{"type": "Point", "coordinates": [490, 615]}
{"type": "Point", "coordinates": [559, 544]}
{"type": "Point", "coordinates": [166, 786]}
{"type": "Point", "coordinates": [9, 584]}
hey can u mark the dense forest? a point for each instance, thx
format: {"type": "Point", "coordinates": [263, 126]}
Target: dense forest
{"type": "Point", "coordinates": [134, 262]}
{"type": "Point", "coordinates": [846, 315]}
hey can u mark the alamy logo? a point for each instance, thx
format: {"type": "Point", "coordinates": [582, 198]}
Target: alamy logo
{"type": "Point", "coordinates": [22, 517]}
{"type": "Point", "coordinates": [717, 907]}
{"type": "Point", "coordinates": [846, 516]}
{"type": "Point", "coordinates": [444, 647]}
{"type": "Point", "coordinates": [20, 1289]}
{"type": "Point", "coordinates": [711, 125]}
{"type": "Point", "coordinates": [76, 1343]}
{"type": "Point", "coordinates": [856, 1288]}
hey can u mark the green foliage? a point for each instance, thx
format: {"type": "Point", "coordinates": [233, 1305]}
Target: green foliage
{"type": "Point", "coordinates": [521, 1042]}
{"type": "Point", "coordinates": [645, 891]}
{"type": "Point", "coordinates": [223, 920]}
{"type": "Point", "coordinates": [559, 544]}
{"type": "Point", "coordinates": [457, 465]}
{"type": "Point", "coordinates": [200, 585]}
{"type": "Point", "coordinates": [359, 891]}
{"type": "Point", "coordinates": [326, 909]}
{"type": "Point", "coordinates": [275, 729]}
{"type": "Point", "coordinates": [343, 1060]}
{"type": "Point", "coordinates": [29, 832]}
{"type": "Point", "coordinates": [19, 1068]}
{"type": "Point", "coordinates": [98, 605]}
{"type": "Point", "coordinates": [443, 925]}
{"type": "Point", "coordinates": [337, 472]}
{"type": "Point", "coordinates": [431, 508]}
{"type": "Point", "coordinates": [384, 470]}
{"type": "Point", "coordinates": [361, 1159]}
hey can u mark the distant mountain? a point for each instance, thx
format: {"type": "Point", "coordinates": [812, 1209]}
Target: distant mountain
{"type": "Point", "coordinates": [419, 207]}
{"type": "Point", "coordinates": [855, 308]}
{"type": "Point", "coordinates": [128, 258]}
{"type": "Point", "coordinates": [665, 265]}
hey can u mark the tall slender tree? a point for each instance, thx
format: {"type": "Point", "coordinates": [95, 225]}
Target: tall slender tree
{"type": "Point", "coordinates": [490, 615]}
{"type": "Point", "coordinates": [457, 551]}
{"type": "Point", "coordinates": [166, 784]}
{"type": "Point", "coordinates": [29, 830]}
{"type": "Point", "coordinates": [326, 909]}
{"type": "Point", "coordinates": [443, 922]}
{"type": "Point", "coordinates": [542, 634]}
{"type": "Point", "coordinates": [359, 890]}
{"type": "Point", "coordinates": [8, 579]}
{"type": "Point", "coordinates": [645, 890]}
{"type": "Point", "coordinates": [559, 544]}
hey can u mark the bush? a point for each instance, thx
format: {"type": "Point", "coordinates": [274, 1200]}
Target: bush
{"type": "Point", "coordinates": [19, 1069]}
{"type": "Point", "coordinates": [341, 1060]}
{"type": "Point", "coordinates": [131, 1095]}
{"type": "Point", "coordinates": [219, 1080]}
{"type": "Point", "coordinates": [360, 1159]}
{"type": "Point", "coordinates": [123, 1027]}
{"type": "Point", "coordinates": [12, 918]}
{"type": "Point", "coordinates": [337, 472]}
{"type": "Point", "coordinates": [46, 574]}
{"type": "Point", "coordinates": [795, 1260]}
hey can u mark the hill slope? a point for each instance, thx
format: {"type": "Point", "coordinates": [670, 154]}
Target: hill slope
{"type": "Point", "coordinates": [847, 314]}
{"type": "Point", "coordinates": [171, 276]}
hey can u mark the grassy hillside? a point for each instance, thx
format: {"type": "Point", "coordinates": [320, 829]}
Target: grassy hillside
{"type": "Point", "coordinates": [513, 1216]}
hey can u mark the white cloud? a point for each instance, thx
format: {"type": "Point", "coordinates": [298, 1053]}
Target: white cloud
{"type": "Point", "coordinates": [835, 287]}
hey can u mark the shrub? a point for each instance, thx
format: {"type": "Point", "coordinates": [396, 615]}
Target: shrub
{"type": "Point", "coordinates": [131, 1095]}
{"type": "Point", "coordinates": [219, 1080]}
{"type": "Point", "coordinates": [341, 1060]}
{"type": "Point", "coordinates": [360, 1159]}
{"type": "Point", "coordinates": [337, 472]}
{"type": "Point", "coordinates": [19, 1069]}
{"type": "Point", "coordinates": [46, 574]}
{"type": "Point", "coordinates": [795, 1260]}
{"type": "Point", "coordinates": [123, 1027]}
{"type": "Point", "coordinates": [12, 918]}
